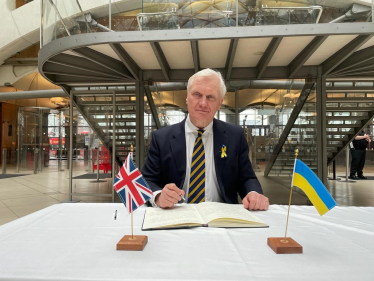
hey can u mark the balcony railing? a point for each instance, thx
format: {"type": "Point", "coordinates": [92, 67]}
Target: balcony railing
{"type": "Point", "coordinates": [70, 17]}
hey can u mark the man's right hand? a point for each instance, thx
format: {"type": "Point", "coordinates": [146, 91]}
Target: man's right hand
{"type": "Point", "coordinates": [169, 196]}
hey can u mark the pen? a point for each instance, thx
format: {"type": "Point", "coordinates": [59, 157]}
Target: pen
{"type": "Point", "coordinates": [182, 197]}
{"type": "Point", "coordinates": [115, 215]}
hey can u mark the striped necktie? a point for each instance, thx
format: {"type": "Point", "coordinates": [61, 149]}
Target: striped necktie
{"type": "Point", "coordinates": [196, 192]}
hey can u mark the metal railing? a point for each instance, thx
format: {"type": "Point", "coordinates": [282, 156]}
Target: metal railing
{"type": "Point", "coordinates": [68, 17]}
{"type": "Point", "coordinates": [310, 9]}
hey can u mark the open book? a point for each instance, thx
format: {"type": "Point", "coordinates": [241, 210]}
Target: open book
{"type": "Point", "coordinates": [210, 214]}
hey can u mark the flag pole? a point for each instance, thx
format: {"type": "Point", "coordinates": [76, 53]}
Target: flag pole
{"type": "Point", "coordinates": [132, 226]}
{"type": "Point", "coordinates": [286, 245]}
{"type": "Point", "coordinates": [133, 242]}
{"type": "Point", "coordinates": [289, 201]}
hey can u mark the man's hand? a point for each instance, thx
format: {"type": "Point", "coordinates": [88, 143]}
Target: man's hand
{"type": "Point", "coordinates": [368, 137]}
{"type": "Point", "coordinates": [169, 196]}
{"type": "Point", "coordinates": [255, 201]}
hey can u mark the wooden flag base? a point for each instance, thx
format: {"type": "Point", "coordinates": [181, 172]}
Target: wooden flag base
{"type": "Point", "coordinates": [132, 243]}
{"type": "Point", "coordinates": [284, 245]}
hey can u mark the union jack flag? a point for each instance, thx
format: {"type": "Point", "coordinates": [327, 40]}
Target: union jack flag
{"type": "Point", "coordinates": [131, 185]}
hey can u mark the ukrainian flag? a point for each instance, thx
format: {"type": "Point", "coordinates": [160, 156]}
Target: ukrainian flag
{"type": "Point", "coordinates": [305, 179]}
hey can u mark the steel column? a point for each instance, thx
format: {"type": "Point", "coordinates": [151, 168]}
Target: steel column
{"type": "Point", "coordinates": [236, 106]}
{"type": "Point", "coordinates": [60, 142]}
{"type": "Point", "coordinates": [18, 141]}
{"type": "Point", "coordinates": [321, 128]}
{"type": "Point", "coordinates": [40, 162]}
{"type": "Point", "coordinates": [98, 164]}
{"type": "Point", "coordinates": [114, 142]}
{"type": "Point", "coordinates": [346, 179]}
{"type": "Point", "coordinates": [141, 123]}
{"type": "Point", "coordinates": [41, 22]}
{"type": "Point", "coordinates": [71, 146]}
{"type": "Point", "coordinates": [346, 162]}
{"type": "Point", "coordinates": [137, 139]}
{"type": "Point", "coordinates": [70, 155]}
{"type": "Point", "coordinates": [237, 13]}
{"type": "Point", "coordinates": [110, 14]}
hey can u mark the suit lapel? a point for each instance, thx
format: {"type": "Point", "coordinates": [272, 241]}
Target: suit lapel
{"type": "Point", "coordinates": [178, 148]}
{"type": "Point", "coordinates": [220, 138]}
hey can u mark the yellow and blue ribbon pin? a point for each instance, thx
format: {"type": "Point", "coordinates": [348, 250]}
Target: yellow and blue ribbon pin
{"type": "Point", "coordinates": [223, 151]}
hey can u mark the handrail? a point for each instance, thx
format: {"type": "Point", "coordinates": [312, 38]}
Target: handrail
{"type": "Point", "coordinates": [291, 121]}
{"type": "Point", "coordinates": [172, 12]}
{"type": "Point", "coordinates": [297, 8]}
{"type": "Point", "coordinates": [59, 16]}
{"type": "Point", "coordinates": [80, 8]}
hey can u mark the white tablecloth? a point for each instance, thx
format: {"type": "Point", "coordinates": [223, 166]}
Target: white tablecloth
{"type": "Point", "coordinates": [78, 242]}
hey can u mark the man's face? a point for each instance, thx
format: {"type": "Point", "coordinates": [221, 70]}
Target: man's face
{"type": "Point", "coordinates": [203, 100]}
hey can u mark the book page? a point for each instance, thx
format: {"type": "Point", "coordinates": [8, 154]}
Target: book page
{"type": "Point", "coordinates": [179, 215]}
{"type": "Point", "coordinates": [210, 211]}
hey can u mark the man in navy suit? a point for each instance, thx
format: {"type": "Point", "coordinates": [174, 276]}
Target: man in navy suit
{"type": "Point", "coordinates": [227, 169]}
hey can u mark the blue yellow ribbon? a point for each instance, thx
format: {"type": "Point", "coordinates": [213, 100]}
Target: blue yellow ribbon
{"type": "Point", "coordinates": [223, 151]}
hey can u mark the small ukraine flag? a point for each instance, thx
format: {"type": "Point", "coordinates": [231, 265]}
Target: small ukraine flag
{"type": "Point", "coordinates": [305, 179]}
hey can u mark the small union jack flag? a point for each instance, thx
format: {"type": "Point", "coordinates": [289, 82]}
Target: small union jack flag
{"type": "Point", "coordinates": [131, 185]}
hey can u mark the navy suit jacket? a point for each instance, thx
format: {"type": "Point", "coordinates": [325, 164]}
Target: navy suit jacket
{"type": "Point", "coordinates": [166, 162]}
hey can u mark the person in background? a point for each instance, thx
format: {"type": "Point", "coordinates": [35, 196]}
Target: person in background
{"type": "Point", "coordinates": [358, 152]}
{"type": "Point", "coordinates": [203, 158]}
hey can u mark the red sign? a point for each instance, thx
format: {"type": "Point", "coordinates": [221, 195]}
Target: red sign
{"type": "Point", "coordinates": [55, 141]}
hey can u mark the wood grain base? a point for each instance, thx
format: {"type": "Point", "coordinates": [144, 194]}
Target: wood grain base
{"type": "Point", "coordinates": [284, 245]}
{"type": "Point", "coordinates": [132, 243]}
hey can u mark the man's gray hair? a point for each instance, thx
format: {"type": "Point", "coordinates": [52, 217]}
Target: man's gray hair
{"type": "Point", "coordinates": [209, 72]}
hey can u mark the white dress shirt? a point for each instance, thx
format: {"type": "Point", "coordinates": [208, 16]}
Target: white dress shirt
{"type": "Point", "coordinates": [212, 191]}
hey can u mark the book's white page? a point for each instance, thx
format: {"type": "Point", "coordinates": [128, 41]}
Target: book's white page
{"type": "Point", "coordinates": [210, 211]}
{"type": "Point", "coordinates": [178, 215]}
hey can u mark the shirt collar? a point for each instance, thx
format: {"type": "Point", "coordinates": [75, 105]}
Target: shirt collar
{"type": "Point", "coordinates": [191, 128]}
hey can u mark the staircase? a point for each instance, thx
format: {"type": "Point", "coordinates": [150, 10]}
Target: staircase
{"type": "Point", "coordinates": [97, 109]}
{"type": "Point", "coordinates": [302, 137]}
{"type": "Point", "coordinates": [346, 116]}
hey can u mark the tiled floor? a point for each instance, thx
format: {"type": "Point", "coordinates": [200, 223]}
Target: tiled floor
{"type": "Point", "coordinates": [20, 196]}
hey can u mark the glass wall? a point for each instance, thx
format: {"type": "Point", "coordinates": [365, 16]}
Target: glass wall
{"type": "Point", "coordinates": [32, 150]}
{"type": "Point", "coordinates": [69, 17]}
{"type": "Point", "coordinates": [43, 139]}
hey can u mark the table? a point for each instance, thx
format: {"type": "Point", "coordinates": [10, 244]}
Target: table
{"type": "Point", "coordinates": [78, 242]}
